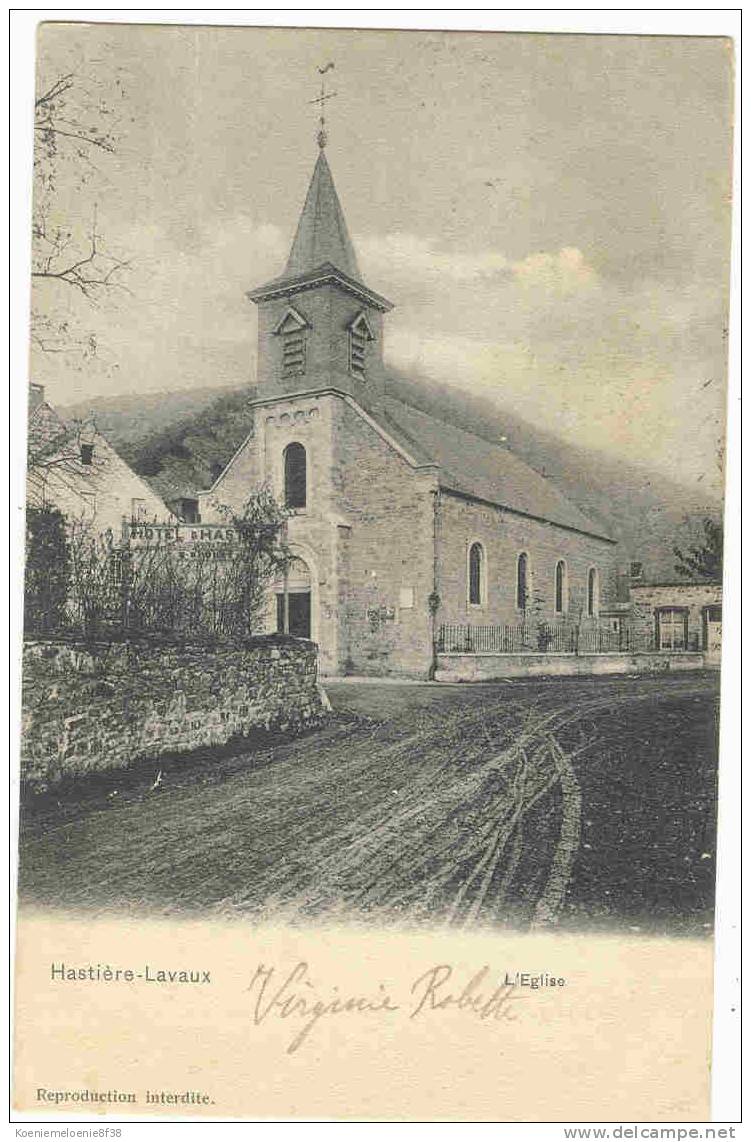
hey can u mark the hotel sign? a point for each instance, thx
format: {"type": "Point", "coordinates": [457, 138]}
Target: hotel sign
{"type": "Point", "coordinates": [136, 534]}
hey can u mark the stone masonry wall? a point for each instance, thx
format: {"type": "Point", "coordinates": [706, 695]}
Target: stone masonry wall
{"type": "Point", "coordinates": [504, 536]}
{"type": "Point", "coordinates": [389, 551]}
{"type": "Point", "coordinates": [92, 708]}
{"type": "Point", "coordinates": [646, 600]}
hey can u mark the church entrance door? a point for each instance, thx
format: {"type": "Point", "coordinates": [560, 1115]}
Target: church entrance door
{"type": "Point", "coordinates": [293, 611]}
{"type": "Point", "coordinates": [298, 622]}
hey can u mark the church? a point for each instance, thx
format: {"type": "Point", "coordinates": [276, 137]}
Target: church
{"type": "Point", "coordinates": [401, 523]}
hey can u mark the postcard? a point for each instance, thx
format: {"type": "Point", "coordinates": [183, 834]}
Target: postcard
{"type": "Point", "coordinates": [373, 574]}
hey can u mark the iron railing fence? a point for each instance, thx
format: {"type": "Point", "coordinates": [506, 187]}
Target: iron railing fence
{"type": "Point", "coordinates": [602, 639]}
{"type": "Point", "coordinates": [541, 637]}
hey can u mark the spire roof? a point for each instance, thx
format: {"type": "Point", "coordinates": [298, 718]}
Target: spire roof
{"type": "Point", "coordinates": [322, 236]}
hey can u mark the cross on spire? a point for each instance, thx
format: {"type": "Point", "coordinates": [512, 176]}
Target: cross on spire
{"type": "Point", "coordinates": [321, 101]}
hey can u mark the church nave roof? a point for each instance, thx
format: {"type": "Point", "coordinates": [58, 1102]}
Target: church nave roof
{"type": "Point", "coordinates": [473, 466]}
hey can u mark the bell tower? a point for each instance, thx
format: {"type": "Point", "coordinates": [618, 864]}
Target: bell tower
{"type": "Point", "coordinates": [319, 325]}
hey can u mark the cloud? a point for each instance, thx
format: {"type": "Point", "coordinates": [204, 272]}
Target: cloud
{"type": "Point", "coordinates": [564, 272]}
{"type": "Point", "coordinates": [186, 321]}
{"type": "Point", "coordinates": [408, 259]}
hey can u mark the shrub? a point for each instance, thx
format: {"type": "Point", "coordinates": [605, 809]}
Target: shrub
{"type": "Point", "coordinates": [48, 569]}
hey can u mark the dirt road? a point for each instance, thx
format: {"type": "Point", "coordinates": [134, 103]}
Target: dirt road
{"type": "Point", "coordinates": [575, 802]}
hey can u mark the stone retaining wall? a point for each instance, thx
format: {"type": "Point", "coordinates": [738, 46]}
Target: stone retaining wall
{"type": "Point", "coordinates": [92, 708]}
{"type": "Point", "coordinates": [486, 667]}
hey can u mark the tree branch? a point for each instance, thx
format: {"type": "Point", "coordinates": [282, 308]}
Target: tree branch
{"type": "Point", "coordinates": [100, 275]}
{"type": "Point", "coordinates": [49, 129]}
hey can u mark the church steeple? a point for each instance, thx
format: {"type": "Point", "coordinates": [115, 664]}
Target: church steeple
{"type": "Point", "coordinates": [322, 236]}
{"type": "Point", "coordinates": [319, 325]}
{"type": "Point", "coordinates": [322, 249]}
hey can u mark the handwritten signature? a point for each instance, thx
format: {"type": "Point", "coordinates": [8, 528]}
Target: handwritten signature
{"type": "Point", "coordinates": [295, 996]}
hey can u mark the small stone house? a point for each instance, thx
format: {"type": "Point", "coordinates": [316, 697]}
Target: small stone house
{"type": "Point", "coordinates": [401, 522]}
{"type": "Point", "coordinates": [678, 616]}
{"type": "Point", "coordinates": [74, 468]}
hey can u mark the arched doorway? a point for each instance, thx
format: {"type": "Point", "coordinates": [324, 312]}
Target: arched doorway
{"type": "Point", "coordinates": [293, 607]}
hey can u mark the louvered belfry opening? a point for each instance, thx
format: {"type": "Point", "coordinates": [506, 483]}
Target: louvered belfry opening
{"type": "Point", "coordinates": [358, 340]}
{"type": "Point", "coordinates": [293, 353]}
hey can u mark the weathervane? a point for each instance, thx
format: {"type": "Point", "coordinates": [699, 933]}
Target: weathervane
{"type": "Point", "coordinates": [321, 101]}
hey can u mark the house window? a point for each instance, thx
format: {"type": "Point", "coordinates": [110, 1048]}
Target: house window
{"type": "Point", "coordinates": [672, 628]}
{"type": "Point", "coordinates": [593, 592]}
{"type": "Point", "coordinates": [87, 454]}
{"type": "Point", "coordinates": [561, 588]}
{"type": "Point", "coordinates": [295, 476]}
{"type": "Point", "coordinates": [522, 581]}
{"type": "Point", "coordinates": [138, 510]}
{"type": "Point", "coordinates": [293, 353]}
{"type": "Point", "coordinates": [188, 509]}
{"type": "Point", "coordinates": [360, 334]}
{"type": "Point", "coordinates": [475, 574]}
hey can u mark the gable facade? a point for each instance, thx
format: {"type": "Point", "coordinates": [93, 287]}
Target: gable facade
{"type": "Point", "coordinates": [75, 469]}
{"type": "Point", "coordinates": [365, 533]}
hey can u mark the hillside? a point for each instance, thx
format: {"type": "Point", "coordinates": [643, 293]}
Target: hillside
{"type": "Point", "coordinates": [127, 419]}
{"type": "Point", "coordinates": [181, 442]}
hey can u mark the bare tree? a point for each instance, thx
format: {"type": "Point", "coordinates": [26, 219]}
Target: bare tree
{"type": "Point", "coordinates": [74, 125]}
{"type": "Point", "coordinates": [262, 554]}
{"type": "Point", "coordinates": [89, 271]}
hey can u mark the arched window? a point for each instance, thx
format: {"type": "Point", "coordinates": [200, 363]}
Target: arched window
{"type": "Point", "coordinates": [475, 574]}
{"type": "Point", "coordinates": [561, 588]}
{"type": "Point", "coordinates": [593, 592]}
{"type": "Point", "coordinates": [295, 476]}
{"type": "Point", "coordinates": [522, 581]}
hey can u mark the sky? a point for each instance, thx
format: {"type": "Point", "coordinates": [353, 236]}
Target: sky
{"type": "Point", "coordinates": [550, 215]}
